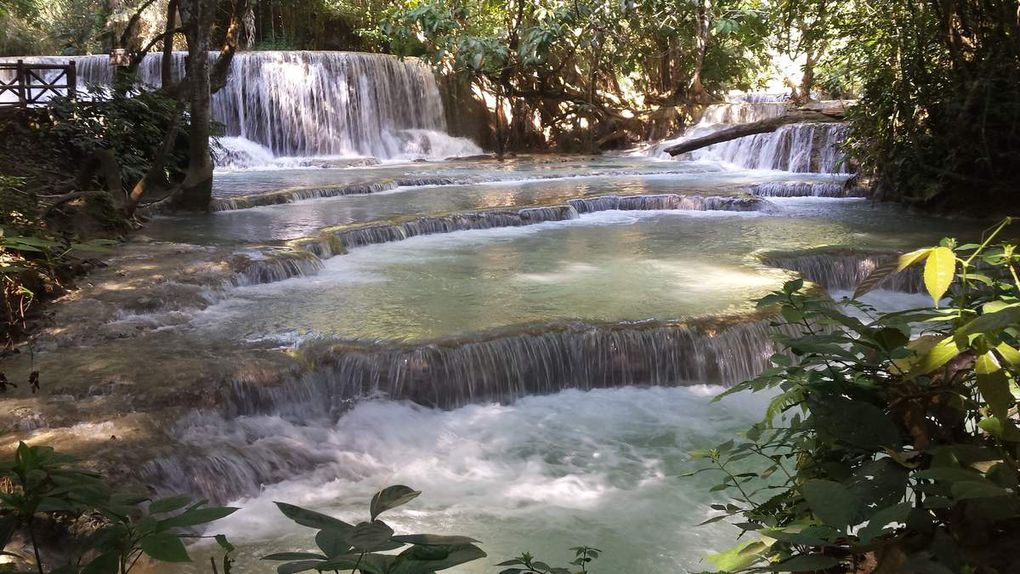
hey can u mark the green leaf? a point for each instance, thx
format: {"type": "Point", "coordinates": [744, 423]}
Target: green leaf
{"type": "Point", "coordinates": [392, 497]}
{"type": "Point", "coordinates": [366, 564]}
{"type": "Point", "coordinates": [1001, 428]}
{"type": "Point", "coordinates": [877, 484]}
{"type": "Point", "coordinates": [414, 561]}
{"type": "Point", "coordinates": [434, 539]}
{"type": "Point", "coordinates": [856, 423]}
{"type": "Point", "coordinates": [830, 501]}
{"type": "Point", "coordinates": [1009, 354]}
{"type": "Point", "coordinates": [368, 536]}
{"type": "Point", "coordinates": [798, 534]}
{"type": "Point", "coordinates": [195, 517]}
{"type": "Point", "coordinates": [313, 519]}
{"type": "Point", "coordinates": [332, 543]}
{"type": "Point", "coordinates": [295, 567]}
{"type": "Point", "coordinates": [993, 322]}
{"type": "Point", "coordinates": [880, 520]}
{"type": "Point", "coordinates": [940, 354]}
{"type": "Point", "coordinates": [284, 556]}
{"type": "Point", "coordinates": [939, 270]}
{"type": "Point", "coordinates": [108, 563]}
{"type": "Point", "coordinates": [735, 558]}
{"type": "Point", "coordinates": [806, 563]}
{"type": "Point", "coordinates": [169, 504]}
{"type": "Point", "coordinates": [974, 489]}
{"type": "Point", "coordinates": [165, 547]}
{"type": "Point", "coordinates": [993, 382]}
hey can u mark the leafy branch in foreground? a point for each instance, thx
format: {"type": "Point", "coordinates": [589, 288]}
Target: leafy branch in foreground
{"type": "Point", "coordinates": [892, 441]}
{"type": "Point", "coordinates": [360, 547]}
{"type": "Point", "coordinates": [42, 488]}
{"type": "Point", "coordinates": [527, 564]}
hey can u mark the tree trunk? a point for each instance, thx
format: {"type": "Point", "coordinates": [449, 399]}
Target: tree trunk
{"type": "Point", "coordinates": [744, 130]}
{"type": "Point", "coordinates": [195, 192]}
{"type": "Point", "coordinates": [697, 89]}
{"type": "Point", "coordinates": [166, 65]}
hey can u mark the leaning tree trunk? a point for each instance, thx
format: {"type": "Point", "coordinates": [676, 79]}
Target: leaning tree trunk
{"type": "Point", "coordinates": [195, 192]}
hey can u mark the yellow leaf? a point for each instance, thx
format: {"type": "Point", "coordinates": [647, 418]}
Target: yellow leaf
{"type": "Point", "coordinates": [937, 357]}
{"type": "Point", "coordinates": [1011, 355]}
{"type": "Point", "coordinates": [986, 364]}
{"type": "Point", "coordinates": [908, 259]}
{"type": "Point", "coordinates": [939, 271]}
{"type": "Point", "coordinates": [920, 347]}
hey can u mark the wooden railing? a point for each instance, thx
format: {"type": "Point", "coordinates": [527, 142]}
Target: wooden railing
{"type": "Point", "coordinates": [26, 84]}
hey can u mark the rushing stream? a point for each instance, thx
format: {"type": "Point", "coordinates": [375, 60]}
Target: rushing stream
{"type": "Point", "coordinates": [533, 343]}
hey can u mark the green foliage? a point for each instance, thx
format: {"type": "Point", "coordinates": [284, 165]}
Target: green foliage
{"type": "Point", "coordinates": [44, 486]}
{"type": "Point", "coordinates": [527, 564]}
{"type": "Point", "coordinates": [893, 438]}
{"type": "Point", "coordinates": [131, 123]}
{"type": "Point", "coordinates": [361, 547]}
{"type": "Point", "coordinates": [938, 84]}
{"type": "Point", "coordinates": [30, 27]}
{"type": "Point", "coordinates": [576, 66]}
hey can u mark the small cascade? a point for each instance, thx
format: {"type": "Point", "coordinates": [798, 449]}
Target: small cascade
{"type": "Point", "coordinates": [668, 201]}
{"type": "Point", "coordinates": [270, 266]}
{"type": "Point", "coordinates": [846, 270]}
{"type": "Point", "coordinates": [303, 257]}
{"type": "Point", "coordinates": [450, 374]}
{"type": "Point", "coordinates": [297, 194]}
{"type": "Point", "coordinates": [338, 240]}
{"type": "Point", "coordinates": [799, 148]}
{"type": "Point", "coordinates": [808, 189]}
{"type": "Point", "coordinates": [317, 103]}
{"type": "Point", "coordinates": [384, 233]}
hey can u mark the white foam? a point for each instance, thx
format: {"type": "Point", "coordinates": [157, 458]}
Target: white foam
{"type": "Point", "coordinates": [544, 474]}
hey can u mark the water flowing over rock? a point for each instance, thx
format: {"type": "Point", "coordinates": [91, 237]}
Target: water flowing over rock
{"type": "Point", "coordinates": [259, 267]}
{"type": "Point", "coordinates": [502, 368]}
{"type": "Point", "coordinates": [799, 148]}
{"type": "Point", "coordinates": [318, 103]}
{"type": "Point", "coordinates": [298, 194]}
{"type": "Point", "coordinates": [335, 241]}
{"type": "Point", "coordinates": [668, 201]}
{"type": "Point", "coordinates": [845, 271]}
{"type": "Point", "coordinates": [808, 189]}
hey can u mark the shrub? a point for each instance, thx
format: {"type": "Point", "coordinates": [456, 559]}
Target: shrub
{"type": "Point", "coordinates": [891, 443]}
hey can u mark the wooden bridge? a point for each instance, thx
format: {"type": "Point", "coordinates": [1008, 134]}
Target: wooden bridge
{"type": "Point", "coordinates": [29, 84]}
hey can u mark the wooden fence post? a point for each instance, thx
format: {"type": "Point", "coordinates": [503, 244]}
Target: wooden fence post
{"type": "Point", "coordinates": [72, 80]}
{"type": "Point", "coordinates": [20, 73]}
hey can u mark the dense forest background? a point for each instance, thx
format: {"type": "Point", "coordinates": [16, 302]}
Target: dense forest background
{"type": "Point", "coordinates": [938, 81]}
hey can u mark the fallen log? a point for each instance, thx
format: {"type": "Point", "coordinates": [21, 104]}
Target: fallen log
{"type": "Point", "coordinates": [753, 128]}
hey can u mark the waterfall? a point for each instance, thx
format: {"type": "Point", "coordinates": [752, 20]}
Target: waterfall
{"type": "Point", "coordinates": [318, 103]}
{"type": "Point", "coordinates": [800, 148]}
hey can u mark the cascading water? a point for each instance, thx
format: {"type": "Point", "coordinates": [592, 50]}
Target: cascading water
{"type": "Point", "coordinates": [316, 104]}
{"type": "Point", "coordinates": [799, 148]}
